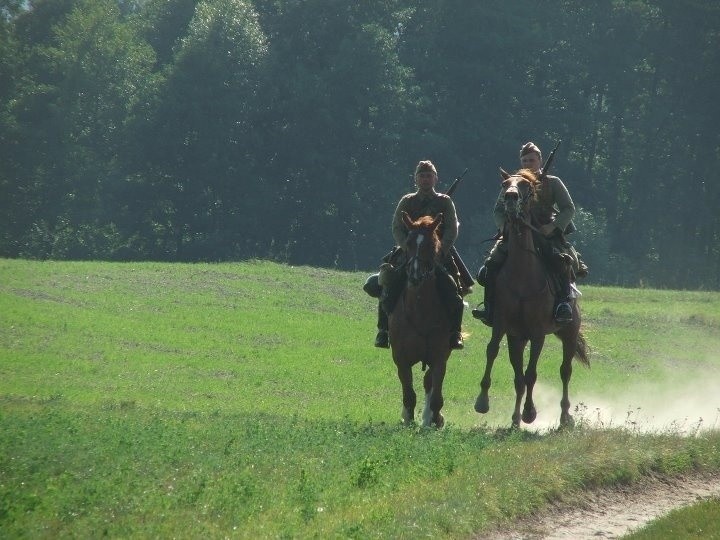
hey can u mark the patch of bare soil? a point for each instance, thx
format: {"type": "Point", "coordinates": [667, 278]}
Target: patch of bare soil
{"type": "Point", "coordinates": [612, 513]}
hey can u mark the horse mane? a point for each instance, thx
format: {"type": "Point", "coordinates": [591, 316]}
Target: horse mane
{"type": "Point", "coordinates": [528, 175]}
{"type": "Point", "coordinates": [428, 223]}
{"type": "Point", "coordinates": [534, 180]}
{"type": "Point", "coordinates": [424, 221]}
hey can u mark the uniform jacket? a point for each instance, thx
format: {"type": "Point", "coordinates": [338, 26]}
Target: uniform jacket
{"type": "Point", "coordinates": [554, 205]}
{"type": "Point", "coordinates": [420, 204]}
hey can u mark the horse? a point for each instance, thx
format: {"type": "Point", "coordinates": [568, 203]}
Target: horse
{"type": "Point", "coordinates": [524, 302]}
{"type": "Point", "coordinates": [419, 326]}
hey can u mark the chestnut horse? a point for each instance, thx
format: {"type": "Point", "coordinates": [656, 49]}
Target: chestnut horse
{"type": "Point", "coordinates": [524, 302]}
{"type": "Point", "coordinates": [419, 325]}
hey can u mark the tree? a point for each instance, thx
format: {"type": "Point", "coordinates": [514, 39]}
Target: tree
{"type": "Point", "coordinates": [81, 81]}
{"type": "Point", "coordinates": [200, 144]}
{"type": "Point", "coordinates": [166, 129]}
{"type": "Point", "coordinates": [163, 24]}
{"type": "Point", "coordinates": [340, 101]}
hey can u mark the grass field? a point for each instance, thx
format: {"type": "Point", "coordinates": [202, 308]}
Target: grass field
{"type": "Point", "coordinates": [700, 520]}
{"type": "Point", "coordinates": [246, 400]}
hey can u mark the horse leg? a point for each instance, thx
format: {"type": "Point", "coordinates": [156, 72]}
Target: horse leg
{"type": "Point", "coordinates": [529, 413]}
{"type": "Point", "coordinates": [409, 398]}
{"type": "Point", "coordinates": [433, 382]}
{"type": "Point", "coordinates": [566, 420]}
{"type": "Point", "coordinates": [482, 403]}
{"type": "Point", "coordinates": [516, 348]}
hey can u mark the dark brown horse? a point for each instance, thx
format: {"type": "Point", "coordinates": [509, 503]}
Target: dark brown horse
{"type": "Point", "coordinates": [524, 303]}
{"type": "Point", "coordinates": [419, 325]}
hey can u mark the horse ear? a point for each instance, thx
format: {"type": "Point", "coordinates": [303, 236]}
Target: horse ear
{"type": "Point", "coordinates": [406, 220]}
{"type": "Point", "coordinates": [437, 221]}
{"type": "Point", "coordinates": [504, 174]}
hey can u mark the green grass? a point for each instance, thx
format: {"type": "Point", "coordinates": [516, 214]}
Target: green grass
{"type": "Point", "coordinates": [246, 400]}
{"type": "Point", "coordinates": [700, 520]}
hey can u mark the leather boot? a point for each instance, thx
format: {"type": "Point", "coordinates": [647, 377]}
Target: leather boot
{"type": "Point", "coordinates": [449, 293]}
{"type": "Point", "coordinates": [382, 340]}
{"type": "Point", "coordinates": [484, 312]}
{"type": "Point", "coordinates": [563, 308]}
{"type": "Point", "coordinates": [456, 339]}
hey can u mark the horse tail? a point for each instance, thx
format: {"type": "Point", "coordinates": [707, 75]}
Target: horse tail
{"type": "Point", "coordinates": [582, 351]}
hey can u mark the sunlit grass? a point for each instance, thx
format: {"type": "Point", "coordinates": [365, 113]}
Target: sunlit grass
{"type": "Point", "coordinates": [246, 400]}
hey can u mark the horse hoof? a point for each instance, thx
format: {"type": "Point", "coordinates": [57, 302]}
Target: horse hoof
{"type": "Point", "coordinates": [567, 422]}
{"type": "Point", "coordinates": [439, 421]}
{"type": "Point", "coordinates": [482, 404]}
{"type": "Point", "coordinates": [529, 415]}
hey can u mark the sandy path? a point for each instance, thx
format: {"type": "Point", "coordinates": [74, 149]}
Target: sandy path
{"type": "Point", "coordinates": [613, 513]}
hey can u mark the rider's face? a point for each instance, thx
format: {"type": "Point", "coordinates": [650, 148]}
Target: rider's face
{"type": "Point", "coordinates": [531, 161]}
{"type": "Point", "coordinates": [425, 180]}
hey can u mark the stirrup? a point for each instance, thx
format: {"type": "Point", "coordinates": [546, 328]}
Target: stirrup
{"type": "Point", "coordinates": [563, 313]}
{"type": "Point", "coordinates": [381, 340]}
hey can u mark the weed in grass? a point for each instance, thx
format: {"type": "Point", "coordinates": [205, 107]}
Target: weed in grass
{"type": "Point", "coordinates": [307, 497]}
{"type": "Point", "coordinates": [368, 473]}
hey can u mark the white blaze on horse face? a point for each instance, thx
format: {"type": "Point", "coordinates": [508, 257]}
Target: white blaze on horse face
{"type": "Point", "coordinates": [513, 204]}
{"type": "Point", "coordinates": [416, 263]}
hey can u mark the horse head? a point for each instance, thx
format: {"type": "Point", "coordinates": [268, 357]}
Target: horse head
{"type": "Point", "coordinates": [422, 246]}
{"type": "Point", "coordinates": [519, 193]}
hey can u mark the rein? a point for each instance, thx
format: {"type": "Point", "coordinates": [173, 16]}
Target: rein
{"type": "Point", "coordinates": [525, 221]}
{"type": "Point", "coordinates": [424, 275]}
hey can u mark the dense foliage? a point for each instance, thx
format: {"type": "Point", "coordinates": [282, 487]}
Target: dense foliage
{"type": "Point", "coordinates": [187, 130]}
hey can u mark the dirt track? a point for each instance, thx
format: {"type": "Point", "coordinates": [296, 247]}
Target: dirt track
{"type": "Point", "coordinates": [613, 513]}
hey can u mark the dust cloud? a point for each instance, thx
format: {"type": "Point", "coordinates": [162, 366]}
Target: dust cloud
{"type": "Point", "coordinates": [676, 407]}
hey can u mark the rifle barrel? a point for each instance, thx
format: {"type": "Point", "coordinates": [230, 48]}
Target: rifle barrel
{"type": "Point", "coordinates": [549, 161]}
{"type": "Point", "coordinates": [455, 183]}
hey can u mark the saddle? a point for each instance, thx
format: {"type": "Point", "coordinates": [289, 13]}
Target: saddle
{"type": "Point", "coordinates": [559, 255]}
{"type": "Point", "coordinates": [395, 258]}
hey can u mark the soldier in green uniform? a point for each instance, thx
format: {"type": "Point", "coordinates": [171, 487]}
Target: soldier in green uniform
{"type": "Point", "coordinates": [552, 214]}
{"type": "Point", "coordinates": [388, 285]}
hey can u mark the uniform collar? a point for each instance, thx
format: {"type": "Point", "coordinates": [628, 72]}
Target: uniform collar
{"type": "Point", "coordinates": [426, 194]}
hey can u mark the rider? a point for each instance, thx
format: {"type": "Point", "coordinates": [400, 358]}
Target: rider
{"type": "Point", "coordinates": [553, 213]}
{"type": "Point", "coordinates": [424, 202]}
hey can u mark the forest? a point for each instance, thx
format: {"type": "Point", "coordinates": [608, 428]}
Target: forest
{"type": "Point", "coordinates": [227, 130]}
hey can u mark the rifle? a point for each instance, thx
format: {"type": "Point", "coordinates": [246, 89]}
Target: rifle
{"type": "Point", "coordinates": [455, 183]}
{"type": "Point", "coordinates": [465, 276]}
{"type": "Point", "coordinates": [548, 162]}
{"type": "Point", "coordinates": [543, 175]}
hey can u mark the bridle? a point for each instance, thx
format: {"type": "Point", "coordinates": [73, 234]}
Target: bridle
{"type": "Point", "coordinates": [519, 192]}
{"type": "Point", "coordinates": [419, 268]}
